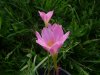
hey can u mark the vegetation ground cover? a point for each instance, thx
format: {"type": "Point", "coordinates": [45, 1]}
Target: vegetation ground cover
{"type": "Point", "coordinates": [19, 19]}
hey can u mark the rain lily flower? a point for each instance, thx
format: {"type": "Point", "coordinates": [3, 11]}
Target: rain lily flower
{"type": "Point", "coordinates": [46, 17]}
{"type": "Point", "coordinates": [52, 38]}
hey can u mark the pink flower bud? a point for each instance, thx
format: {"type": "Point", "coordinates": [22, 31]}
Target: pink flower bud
{"type": "Point", "coordinates": [46, 17]}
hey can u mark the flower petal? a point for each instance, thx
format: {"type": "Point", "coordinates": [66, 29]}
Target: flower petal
{"type": "Point", "coordinates": [64, 37]}
{"type": "Point", "coordinates": [41, 41]}
{"type": "Point", "coordinates": [47, 35]}
{"type": "Point", "coordinates": [54, 49]}
{"type": "Point", "coordinates": [58, 31]}
{"type": "Point", "coordinates": [38, 35]}
{"type": "Point", "coordinates": [49, 15]}
{"type": "Point", "coordinates": [43, 44]}
{"type": "Point", "coordinates": [42, 15]}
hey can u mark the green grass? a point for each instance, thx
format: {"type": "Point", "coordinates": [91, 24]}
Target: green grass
{"type": "Point", "coordinates": [19, 19]}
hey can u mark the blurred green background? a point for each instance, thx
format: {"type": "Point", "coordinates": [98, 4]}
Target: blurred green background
{"type": "Point", "coordinates": [19, 19]}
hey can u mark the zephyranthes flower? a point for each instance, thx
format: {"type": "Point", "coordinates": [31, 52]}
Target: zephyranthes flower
{"type": "Point", "coordinates": [46, 17]}
{"type": "Point", "coordinates": [52, 38]}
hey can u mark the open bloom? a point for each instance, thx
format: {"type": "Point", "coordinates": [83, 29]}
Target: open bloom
{"type": "Point", "coordinates": [46, 17]}
{"type": "Point", "coordinates": [52, 38]}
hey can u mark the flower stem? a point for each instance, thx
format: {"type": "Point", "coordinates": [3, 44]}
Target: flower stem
{"type": "Point", "coordinates": [55, 63]}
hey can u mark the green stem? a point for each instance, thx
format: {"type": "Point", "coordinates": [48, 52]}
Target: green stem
{"type": "Point", "coordinates": [46, 24]}
{"type": "Point", "coordinates": [55, 63]}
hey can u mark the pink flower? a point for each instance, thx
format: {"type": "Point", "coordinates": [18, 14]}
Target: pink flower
{"type": "Point", "coordinates": [46, 17]}
{"type": "Point", "coordinates": [52, 38]}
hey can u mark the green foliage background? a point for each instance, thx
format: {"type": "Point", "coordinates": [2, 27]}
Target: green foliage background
{"type": "Point", "coordinates": [19, 19]}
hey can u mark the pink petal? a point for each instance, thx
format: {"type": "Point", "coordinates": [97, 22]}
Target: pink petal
{"type": "Point", "coordinates": [65, 37]}
{"type": "Point", "coordinates": [38, 35]}
{"type": "Point", "coordinates": [54, 49]}
{"type": "Point", "coordinates": [43, 15]}
{"type": "Point", "coordinates": [43, 44]}
{"type": "Point", "coordinates": [58, 31]}
{"type": "Point", "coordinates": [47, 34]}
{"type": "Point", "coordinates": [49, 26]}
{"type": "Point", "coordinates": [49, 15]}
